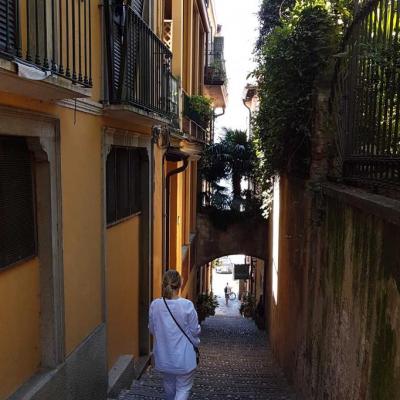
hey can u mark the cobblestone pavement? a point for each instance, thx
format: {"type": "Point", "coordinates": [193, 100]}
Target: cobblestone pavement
{"type": "Point", "coordinates": [230, 310]}
{"type": "Point", "coordinates": [236, 363]}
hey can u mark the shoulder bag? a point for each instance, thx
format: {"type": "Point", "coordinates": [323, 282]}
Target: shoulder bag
{"type": "Point", "coordinates": [196, 349]}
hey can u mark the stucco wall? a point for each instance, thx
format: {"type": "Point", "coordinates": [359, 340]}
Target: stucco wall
{"type": "Point", "coordinates": [336, 326]}
{"type": "Point", "coordinates": [158, 221]}
{"type": "Point", "coordinates": [123, 289]}
{"type": "Point", "coordinates": [19, 331]}
{"type": "Point", "coordinates": [82, 225]}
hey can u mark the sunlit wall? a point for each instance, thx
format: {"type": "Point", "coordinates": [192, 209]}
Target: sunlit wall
{"type": "Point", "coordinates": [275, 239]}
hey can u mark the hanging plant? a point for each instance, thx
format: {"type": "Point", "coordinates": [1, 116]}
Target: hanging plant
{"type": "Point", "coordinates": [199, 109]}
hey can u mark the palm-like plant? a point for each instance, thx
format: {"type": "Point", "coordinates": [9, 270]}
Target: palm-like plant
{"type": "Point", "coordinates": [232, 158]}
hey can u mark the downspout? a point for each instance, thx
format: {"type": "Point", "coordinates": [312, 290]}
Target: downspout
{"type": "Point", "coordinates": [215, 116]}
{"type": "Point", "coordinates": [250, 133]}
{"type": "Point", "coordinates": [219, 115]}
{"type": "Point", "coordinates": [244, 103]}
{"type": "Point", "coordinates": [170, 174]}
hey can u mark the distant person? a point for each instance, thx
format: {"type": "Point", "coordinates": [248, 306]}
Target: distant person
{"type": "Point", "coordinates": [227, 291]}
{"type": "Point", "coordinates": [175, 326]}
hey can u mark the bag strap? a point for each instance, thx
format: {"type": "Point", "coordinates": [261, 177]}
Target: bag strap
{"type": "Point", "coordinates": [176, 322]}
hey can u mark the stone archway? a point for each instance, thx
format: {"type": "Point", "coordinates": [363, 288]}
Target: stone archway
{"type": "Point", "coordinates": [249, 236]}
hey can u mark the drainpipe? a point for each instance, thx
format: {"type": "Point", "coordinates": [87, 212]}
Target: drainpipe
{"type": "Point", "coordinates": [249, 109]}
{"type": "Point", "coordinates": [244, 103]}
{"type": "Point", "coordinates": [174, 155]}
{"type": "Point", "coordinates": [219, 115]}
{"type": "Point", "coordinates": [215, 116]}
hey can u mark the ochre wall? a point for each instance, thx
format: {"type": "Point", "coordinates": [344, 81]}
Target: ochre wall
{"type": "Point", "coordinates": [189, 290]}
{"type": "Point", "coordinates": [82, 226]}
{"type": "Point", "coordinates": [176, 217]}
{"type": "Point", "coordinates": [122, 277]}
{"type": "Point", "coordinates": [19, 325]}
{"type": "Point", "coordinates": [259, 279]}
{"type": "Point", "coordinates": [158, 222]}
{"type": "Point", "coordinates": [81, 183]}
{"type": "Point", "coordinates": [336, 327]}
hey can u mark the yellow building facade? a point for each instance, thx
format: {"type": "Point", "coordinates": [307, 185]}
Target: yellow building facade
{"type": "Point", "coordinates": [98, 184]}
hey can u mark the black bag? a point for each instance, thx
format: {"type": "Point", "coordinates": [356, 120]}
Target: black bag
{"type": "Point", "coordinates": [196, 349]}
{"type": "Point", "coordinates": [225, 290]}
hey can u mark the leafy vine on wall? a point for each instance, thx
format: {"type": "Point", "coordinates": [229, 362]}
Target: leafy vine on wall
{"type": "Point", "coordinates": [297, 42]}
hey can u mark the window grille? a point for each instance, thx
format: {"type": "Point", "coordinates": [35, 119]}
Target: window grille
{"type": "Point", "coordinates": [123, 181]}
{"type": "Point", "coordinates": [17, 211]}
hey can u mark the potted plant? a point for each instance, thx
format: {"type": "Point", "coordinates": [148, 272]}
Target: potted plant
{"type": "Point", "coordinates": [206, 305]}
{"type": "Point", "coordinates": [199, 109]}
{"type": "Point", "coordinates": [248, 306]}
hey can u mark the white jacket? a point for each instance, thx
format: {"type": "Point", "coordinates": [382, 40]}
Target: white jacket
{"type": "Point", "coordinates": [173, 353]}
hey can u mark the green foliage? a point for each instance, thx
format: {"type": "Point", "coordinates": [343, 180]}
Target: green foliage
{"type": "Point", "coordinates": [248, 306]}
{"type": "Point", "coordinates": [199, 109]}
{"type": "Point", "coordinates": [269, 17]}
{"type": "Point", "coordinates": [217, 70]}
{"type": "Point", "coordinates": [290, 59]}
{"type": "Point", "coordinates": [232, 158]}
{"type": "Point", "coordinates": [222, 219]}
{"type": "Point", "coordinates": [206, 305]}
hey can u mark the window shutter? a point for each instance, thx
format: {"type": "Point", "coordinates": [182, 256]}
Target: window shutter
{"type": "Point", "coordinates": [111, 187]}
{"type": "Point", "coordinates": [17, 222]}
{"type": "Point", "coordinates": [123, 183]}
{"type": "Point", "coordinates": [123, 178]}
{"type": "Point", "coordinates": [8, 26]}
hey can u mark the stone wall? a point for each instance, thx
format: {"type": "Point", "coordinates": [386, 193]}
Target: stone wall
{"type": "Point", "coordinates": [221, 235]}
{"type": "Point", "coordinates": [335, 327]}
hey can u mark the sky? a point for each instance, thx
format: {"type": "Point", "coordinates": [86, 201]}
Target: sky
{"type": "Point", "coordinates": [239, 27]}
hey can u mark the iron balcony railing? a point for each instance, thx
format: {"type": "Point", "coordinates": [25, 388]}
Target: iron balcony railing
{"type": "Point", "coordinates": [366, 97]}
{"type": "Point", "coordinates": [193, 123]}
{"type": "Point", "coordinates": [215, 72]}
{"type": "Point", "coordinates": [138, 64]}
{"type": "Point", "coordinates": [54, 35]}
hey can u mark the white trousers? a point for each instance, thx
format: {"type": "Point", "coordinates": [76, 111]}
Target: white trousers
{"type": "Point", "coordinates": [177, 387]}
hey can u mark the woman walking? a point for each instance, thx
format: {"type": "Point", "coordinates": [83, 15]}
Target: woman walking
{"type": "Point", "coordinates": [174, 324]}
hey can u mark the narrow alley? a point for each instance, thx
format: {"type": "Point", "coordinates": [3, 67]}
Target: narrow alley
{"type": "Point", "coordinates": [236, 363]}
{"type": "Point", "coordinates": [238, 159]}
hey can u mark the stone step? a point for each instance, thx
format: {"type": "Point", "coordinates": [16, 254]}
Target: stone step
{"type": "Point", "coordinates": [236, 363]}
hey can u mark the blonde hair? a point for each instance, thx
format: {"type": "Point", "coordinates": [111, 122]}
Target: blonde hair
{"type": "Point", "coordinates": [171, 281]}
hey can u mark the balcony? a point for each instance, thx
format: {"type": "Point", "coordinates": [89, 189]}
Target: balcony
{"type": "Point", "coordinates": [215, 72]}
{"type": "Point", "coordinates": [140, 84]}
{"type": "Point", "coordinates": [45, 48]}
{"type": "Point", "coordinates": [215, 77]}
{"type": "Point", "coordinates": [193, 124]}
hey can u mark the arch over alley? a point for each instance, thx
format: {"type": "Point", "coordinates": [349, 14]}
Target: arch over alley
{"type": "Point", "coordinates": [247, 235]}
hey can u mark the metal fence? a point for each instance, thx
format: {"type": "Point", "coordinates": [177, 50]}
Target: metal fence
{"type": "Point", "coordinates": [215, 71]}
{"type": "Point", "coordinates": [139, 64]}
{"type": "Point", "coordinates": [366, 97]}
{"type": "Point", "coordinates": [54, 35]}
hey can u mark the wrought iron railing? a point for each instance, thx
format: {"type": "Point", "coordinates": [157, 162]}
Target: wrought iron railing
{"type": "Point", "coordinates": [138, 64]}
{"type": "Point", "coordinates": [214, 71]}
{"type": "Point", "coordinates": [193, 123]}
{"type": "Point", "coordinates": [54, 35]}
{"type": "Point", "coordinates": [366, 97]}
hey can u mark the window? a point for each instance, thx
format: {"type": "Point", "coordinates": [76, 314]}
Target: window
{"type": "Point", "coordinates": [8, 26]}
{"type": "Point", "coordinates": [123, 183]}
{"type": "Point", "coordinates": [17, 210]}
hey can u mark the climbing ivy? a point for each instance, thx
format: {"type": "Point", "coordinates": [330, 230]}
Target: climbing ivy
{"type": "Point", "coordinates": [296, 43]}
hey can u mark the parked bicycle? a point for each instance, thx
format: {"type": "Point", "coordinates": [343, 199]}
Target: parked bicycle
{"type": "Point", "coordinates": [232, 296]}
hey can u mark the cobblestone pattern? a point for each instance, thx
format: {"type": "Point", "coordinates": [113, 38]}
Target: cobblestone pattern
{"type": "Point", "coordinates": [236, 363]}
